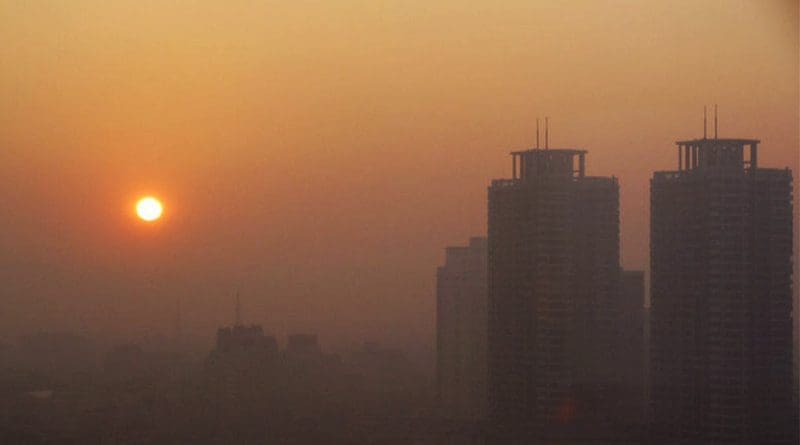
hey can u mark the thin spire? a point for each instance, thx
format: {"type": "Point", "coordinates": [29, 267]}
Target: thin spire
{"type": "Point", "coordinates": [715, 121]}
{"type": "Point", "coordinates": [537, 133]}
{"type": "Point", "coordinates": [705, 122]}
{"type": "Point", "coordinates": [546, 133]}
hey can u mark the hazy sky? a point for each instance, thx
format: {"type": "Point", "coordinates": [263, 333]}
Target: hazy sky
{"type": "Point", "coordinates": [319, 155]}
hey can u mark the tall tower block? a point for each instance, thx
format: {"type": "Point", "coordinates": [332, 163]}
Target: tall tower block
{"type": "Point", "coordinates": [553, 272]}
{"type": "Point", "coordinates": [721, 293]}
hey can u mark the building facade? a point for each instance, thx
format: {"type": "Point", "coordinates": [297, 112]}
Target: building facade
{"type": "Point", "coordinates": [553, 282]}
{"type": "Point", "coordinates": [721, 295]}
{"type": "Point", "coordinates": [461, 331]}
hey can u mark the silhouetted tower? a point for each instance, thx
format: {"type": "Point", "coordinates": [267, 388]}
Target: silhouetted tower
{"type": "Point", "coordinates": [553, 273]}
{"type": "Point", "coordinates": [721, 292]}
{"type": "Point", "coordinates": [461, 331]}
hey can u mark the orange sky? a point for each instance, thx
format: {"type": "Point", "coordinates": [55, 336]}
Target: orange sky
{"type": "Point", "coordinates": [320, 155]}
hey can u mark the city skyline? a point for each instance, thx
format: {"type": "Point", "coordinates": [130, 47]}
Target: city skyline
{"type": "Point", "coordinates": [400, 221]}
{"type": "Point", "coordinates": [238, 118]}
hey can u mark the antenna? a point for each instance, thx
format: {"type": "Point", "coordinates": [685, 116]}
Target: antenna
{"type": "Point", "coordinates": [705, 122]}
{"type": "Point", "coordinates": [537, 133]}
{"type": "Point", "coordinates": [546, 133]}
{"type": "Point", "coordinates": [238, 309]}
{"type": "Point", "coordinates": [715, 121]}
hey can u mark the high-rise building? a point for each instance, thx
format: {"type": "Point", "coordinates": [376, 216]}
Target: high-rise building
{"type": "Point", "coordinates": [721, 293]}
{"type": "Point", "coordinates": [553, 281]}
{"type": "Point", "coordinates": [461, 331]}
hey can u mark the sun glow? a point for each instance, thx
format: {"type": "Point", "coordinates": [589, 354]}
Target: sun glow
{"type": "Point", "coordinates": [149, 209]}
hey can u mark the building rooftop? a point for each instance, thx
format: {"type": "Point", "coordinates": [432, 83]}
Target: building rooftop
{"type": "Point", "coordinates": [556, 151]}
{"type": "Point", "coordinates": [718, 141]}
{"type": "Point", "coordinates": [717, 153]}
{"type": "Point", "coordinates": [549, 162]}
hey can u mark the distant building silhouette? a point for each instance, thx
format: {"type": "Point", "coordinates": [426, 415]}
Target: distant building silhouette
{"type": "Point", "coordinates": [242, 349]}
{"type": "Point", "coordinates": [242, 346]}
{"type": "Point", "coordinates": [242, 352]}
{"type": "Point", "coordinates": [248, 338]}
{"type": "Point", "coordinates": [721, 261]}
{"type": "Point", "coordinates": [553, 280]}
{"type": "Point", "coordinates": [461, 331]}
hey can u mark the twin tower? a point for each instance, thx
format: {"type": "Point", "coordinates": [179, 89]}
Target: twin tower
{"type": "Point", "coordinates": [557, 344]}
{"type": "Point", "coordinates": [553, 277]}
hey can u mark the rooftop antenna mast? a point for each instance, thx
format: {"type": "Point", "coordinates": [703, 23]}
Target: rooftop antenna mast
{"type": "Point", "coordinates": [537, 133]}
{"type": "Point", "coordinates": [705, 122]}
{"type": "Point", "coordinates": [715, 121]}
{"type": "Point", "coordinates": [546, 133]}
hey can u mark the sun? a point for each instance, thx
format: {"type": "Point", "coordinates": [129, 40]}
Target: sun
{"type": "Point", "coordinates": [149, 208]}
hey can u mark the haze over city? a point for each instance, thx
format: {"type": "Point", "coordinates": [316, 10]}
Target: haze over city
{"type": "Point", "coordinates": [399, 222]}
{"type": "Point", "coordinates": [317, 157]}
